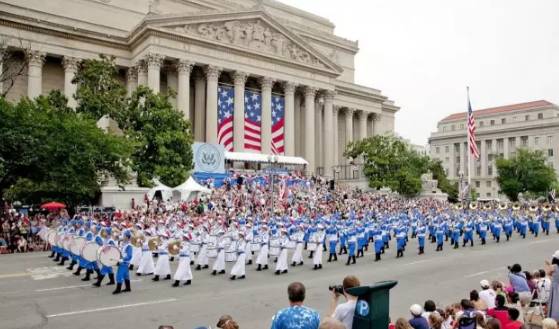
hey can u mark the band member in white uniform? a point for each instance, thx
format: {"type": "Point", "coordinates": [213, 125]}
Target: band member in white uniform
{"type": "Point", "coordinates": [146, 266]}
{"type": "Point", "coordinates": [248, 240]}
{"type": "Point", "coordinates": [262, 259]}
{"type": "Point", "coordinates": [298, 237]}
{"type": "Point", "coordinates": [238, 270]}
{"type": "Point", "coordinates": [163, 268]}
{"type": "Point", "coordinates": [219, 263]}
{"type": "Point", "coordinates": [136, 257]}
{"type": "Point", "coordinates": [183, 272]}
{"type": "Point", "coordinates": [281, 266]}
{"type": "Point", "coordinates": [202, 258]}
{"type": "Point", "coordinates": [319, 239]}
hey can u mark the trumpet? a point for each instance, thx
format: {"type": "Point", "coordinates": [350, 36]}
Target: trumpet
{"type": "Point", "coordinates": [154, 243]}
{"type": "Point", "coordinates": [174, 247]}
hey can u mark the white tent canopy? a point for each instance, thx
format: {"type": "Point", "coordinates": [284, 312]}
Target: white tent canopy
{"type": "Point", "coordinates": [186, 189]}
{"type": "Point", "coordinates": [264, 158]}
{"type": "Point", "coordinates": [166, 191]}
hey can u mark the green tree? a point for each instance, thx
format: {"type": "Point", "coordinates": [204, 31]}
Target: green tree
{"type": "Point", "coordinates": [50, 152]}
{"type": "Point", "coordinates": [526, 172]}
{"type": "Point", "coordinates": [161, 137]}
{"type": "Point", "coordinates": [390, 162]}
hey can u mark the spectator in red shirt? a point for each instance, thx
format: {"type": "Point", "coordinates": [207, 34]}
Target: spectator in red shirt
{"type": "Point", "coordinates": [500, 312]}
{"type": "Point", "coordinates": [514, 314]}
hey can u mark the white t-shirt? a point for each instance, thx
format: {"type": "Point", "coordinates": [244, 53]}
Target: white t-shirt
{"type": "Point", "coordinates": [544, 289]}
{"type": "Point", "coordinates": [344, 313]}
{"type": "Point", "coordinates": [488, 296]}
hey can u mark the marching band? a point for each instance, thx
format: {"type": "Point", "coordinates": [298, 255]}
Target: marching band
{"type": "Point", "coordinates": [102, 247]}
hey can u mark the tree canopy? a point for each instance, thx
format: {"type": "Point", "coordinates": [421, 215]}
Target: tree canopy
{"type": "Point", "coordinates": [527, 172]}
{"type": "Point", "coordinates": [161, 137]}
{"type": "Point", "coordinates": [50, 152]}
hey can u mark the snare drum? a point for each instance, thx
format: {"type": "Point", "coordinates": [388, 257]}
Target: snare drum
{"type": "Point", "coordinates": [89, 251]}
{"type": "Point", "coordinates": [231, 256]}
{"type": "Point", "coordinates": [255, 246]}
{"type": "Point", "coordinates": [311, 246]}
{"type": "Point", "coordinates": [212, 252]}
{"type": "Point", "coordinates": [108, 255]}
{"type": "Point", "coordinates": [67, 242]}
{"type": "Point", "coordinates": [77, 245]}
{"type": "Point", "coordinates": [51, 237]}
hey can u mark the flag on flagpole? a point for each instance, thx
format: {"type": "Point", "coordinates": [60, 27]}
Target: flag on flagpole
{"type": "Point", "coordinates": [472, 131]}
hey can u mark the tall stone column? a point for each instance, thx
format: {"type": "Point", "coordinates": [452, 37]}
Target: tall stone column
{"type": "Point", "coordinates": [154, 62]}
{"type": "Point", "coordinates": [266, 128]}
{"type": "Point", "coordinates": [240, 79]}
{"type": "Point", "coordinates": [184, 68]}
{"type": "Point", "coordinates": [142, 73]}
{"type": "Point", "coordinates": [299, 146]}
{"type": "Point", "coordinates": [451, 165]}
{"type": "Point", "coordinates": [212, 78]}
{"type": "Point", "coordinates": [362, 124]}
{"type": "Point", "coordinates": [199, 107]}
{"type": "Point", "coordinates": [289, 92]}
{"type": "Point", "coordinates": [131, 80]}
{"type": "Point", "coordinates": [483, 158]}
{"type": "Point", "coordinates": [36, 59]}
{"type": "Point", "coordinates": [318, 134]}
{"type": "Point", "coordinates": [336, 144]}
{"type": "Point", "coordinates": [70, 65]}
{"type": "Point", "coordinates": [348, 126]}
{"type": "Point", "coordinates": [310, 94]}
{"type": "Point", "coordinates": [328, 137]}
{"type": "Point", "coordinates": [506, 147]}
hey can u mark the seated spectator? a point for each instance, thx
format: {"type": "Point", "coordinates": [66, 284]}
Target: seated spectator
{"type": "Point", "coordinates": [493, 324]}
{"type": "Point", "coordinates": [544, 287]}
{"type": "Point", "coordinates": [428, 308]}
{"type": "Point", "coordinates": [331, 323]}
{"type": "Point", "coordinates": [479, 304]}
{"type": "Point", "coordinates": [514, 314]}
{"type": "Point", "coordinates": [296, 316]}
{"type": "Point", "coordinates": [466, 319]}
{"type": "Point", "coordinates": [417, 321]}
{"type": "Point", "coordinates": [435, 320]}
{"type": "Point", "coordinates": [480, 321]}
{"type": "Point", "coordinates": [344, 312]}
{"type": "Point", "coordinates": [500, 311]}
{"type": "Point", "coordinates": [519, 283]}
{"type": "Point", "coordinates": [487, 294]}
{"type": "Point", "coordinates": [227, 322]}
{"type": "Point", "coordinates": [549, 323]}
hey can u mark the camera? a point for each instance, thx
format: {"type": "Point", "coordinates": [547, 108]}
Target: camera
{"type": "Point", "coordinates": [338, 289]}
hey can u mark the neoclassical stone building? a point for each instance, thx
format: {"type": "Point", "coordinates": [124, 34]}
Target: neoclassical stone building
{"type": "Point", "coordinates": [192, 46]}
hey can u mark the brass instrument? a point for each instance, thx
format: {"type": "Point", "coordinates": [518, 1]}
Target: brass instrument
{"type": "Point", "coordinates": [154, 243]}
{"type": "Point", "coordinates": [473, 205]}
{"type": "Point", "coordinates": [115, 233]}
{"type": "Point", "coordinates": [487, 206]}
{"type": "Point", "coordinates": [174, 247]}
{"type": "Point", "coordinates": [546, 207]}
{"type": "Point", "coordinates": [137, 240]}
{"type": "Point", "coordinates": [533, 208]}
{"type": "Point", "coordinates": [503, 206]}
{"type": "Point", "coordinates": [459, 206]}
{"type": "Point", "coordinates": [516, 206]}
{"type": "Point", "coordinates": [104, 234]}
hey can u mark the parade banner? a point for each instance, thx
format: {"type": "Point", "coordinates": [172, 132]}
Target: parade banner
{"type": "Point", "coordinates": [209, 158]}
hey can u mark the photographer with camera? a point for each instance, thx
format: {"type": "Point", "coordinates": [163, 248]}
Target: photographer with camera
{"type": "Point", "coordinates": [344, 312]}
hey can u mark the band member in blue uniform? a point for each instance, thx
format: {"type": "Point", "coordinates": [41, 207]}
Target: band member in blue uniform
{"type": "Point", "coordinates": [332, 237]}
{"type": "Point", "coordinates": [122, 272]}
{"type": "Point", "coordinates": [379, 244]}
{"type": "Point", "coordinates": [352, 246]}
{"type": "Point", "coordinates": [456, 236]}
{"type": "Point", "coordinates": [400, 243]}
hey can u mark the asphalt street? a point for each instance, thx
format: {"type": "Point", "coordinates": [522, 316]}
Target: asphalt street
{"type": "Point", "coordinates": [36, 293]}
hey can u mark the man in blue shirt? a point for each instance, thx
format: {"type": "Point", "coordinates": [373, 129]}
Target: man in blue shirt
{"type": "Point", "coordinates": [296, 316]}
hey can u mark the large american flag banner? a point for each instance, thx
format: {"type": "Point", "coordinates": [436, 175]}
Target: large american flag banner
{"type": "Point", "coordinates": [278, 123]}
{"type": "Point", "coordinates": [225, 108]}
{"type": "Point", "coordinates": [472, 131]}
{"type": "Point", "coordinates": [253, 120]}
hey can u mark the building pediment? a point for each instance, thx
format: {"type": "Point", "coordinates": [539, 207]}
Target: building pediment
{"type": "Point", "coordinates": [255, 32]}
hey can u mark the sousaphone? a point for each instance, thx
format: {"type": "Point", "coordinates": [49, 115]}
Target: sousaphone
{"type": "Point", "coordinates": [137, 240]}
{"type": "Point", "coordinates": [154, 243]}
{"type": "Point", "coordinates": [473, 205]}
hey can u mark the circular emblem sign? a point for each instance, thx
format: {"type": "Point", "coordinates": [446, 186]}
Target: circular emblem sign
{"type": "Point", "coordinates": [208, 157]}
{"type": "Point", "coordinates": [362, 308]}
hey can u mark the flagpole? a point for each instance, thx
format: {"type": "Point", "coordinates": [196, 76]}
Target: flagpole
{"type": "Point", "coordinates": [469, 150]}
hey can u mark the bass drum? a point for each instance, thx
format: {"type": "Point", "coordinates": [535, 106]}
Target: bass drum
{"type": "Point", "coordinates": [51, 237]}
{"type": "Point", "coordinates": [311, 246]}
{"type": "Point", "coordinates": [67, 242]}
{"type": "Point", "coordinates": [77, 245]}
{"type": "Point", "coordinates": [89, 251]}
{"type": "Point", "coordinates": [255, 246]}
{"type": "Point", "coordinates": [212, 252]}
{"type": "Point", "coordinates": [108, 255]}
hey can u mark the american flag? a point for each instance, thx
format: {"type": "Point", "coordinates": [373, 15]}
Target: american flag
{"type": "Point", "coordinates": [278, 122]}
{"type": "Point", "coordinates": [472, 131]}
{"type": "Point", "coordinates": [253, 120]}
{"type": "Point", "coordinates": [225, 107]}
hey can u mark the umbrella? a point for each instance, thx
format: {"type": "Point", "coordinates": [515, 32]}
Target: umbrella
{"type": "Point", "coordinates": [52, 206]}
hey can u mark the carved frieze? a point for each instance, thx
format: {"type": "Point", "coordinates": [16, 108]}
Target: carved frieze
{"type": "Point", "coordinates": [254, 34]}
